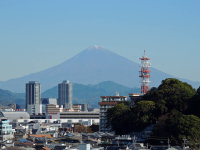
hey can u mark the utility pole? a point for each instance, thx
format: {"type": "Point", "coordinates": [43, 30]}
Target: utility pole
{"type": "Point", "coordinates": [168, 142]}
{"type": "Point", "coordinates": [184, 142]}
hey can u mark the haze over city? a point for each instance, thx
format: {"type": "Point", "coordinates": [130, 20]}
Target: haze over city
{"type": "Point", "coordinates": [36, 35]}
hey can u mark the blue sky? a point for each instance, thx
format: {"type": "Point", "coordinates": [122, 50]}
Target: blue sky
{"type": "Point", "coordinates": [38, 34]}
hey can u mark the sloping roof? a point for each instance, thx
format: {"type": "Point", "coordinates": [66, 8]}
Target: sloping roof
{"type": "Point", "coordinates": [46, 148]}
{"type": "Point", "coordinates": [14, 115]}
{"type": "Point", "coordinates": [41, 135]}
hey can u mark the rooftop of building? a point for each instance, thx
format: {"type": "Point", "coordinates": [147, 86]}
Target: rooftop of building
{"type": "Point", "coordinates": [4, 120]}
{"type": "Point", "coordinates": [41, 135]}
{"type": "Point", "coordinates": [14, 115]}
{"type": "Point", "coordinates": [134, 94]}
{"type": "Point", "coordinates": [65, 82]}
{"type": "Point", "coordinates": [108, 103]}
{"type": "Point", "coordinates": [32, 82]}
{"type": "Point", "coordinates": [81, 112]}
{"type": "Point", "coordinates": [113, 96]}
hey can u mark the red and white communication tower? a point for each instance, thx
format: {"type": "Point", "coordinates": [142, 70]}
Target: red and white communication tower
{"type": "Point", "coordinates": [145, 73]}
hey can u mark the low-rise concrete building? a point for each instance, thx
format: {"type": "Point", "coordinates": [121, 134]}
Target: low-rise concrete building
{"type": "Point", "coordinates": [46, 101]}
{"type": "Point", "coordinates": [53, 109]}
{"type": "Point", "coordinates": [5, 129]}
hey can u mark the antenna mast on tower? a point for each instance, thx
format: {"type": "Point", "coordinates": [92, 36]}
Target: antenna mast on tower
{"type": "Point", "coordinates": [145, 73]}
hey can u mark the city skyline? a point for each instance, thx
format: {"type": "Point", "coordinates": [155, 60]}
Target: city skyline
{"type": "Point", "coordinates": [36, 35]}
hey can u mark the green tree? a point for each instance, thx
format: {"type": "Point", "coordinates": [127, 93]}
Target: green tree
{"type": "Point", "coordinates": [178, 126]}
{"type": "Point", "coordinates": [143, 114]}
{"type": "Point", "coordinates": [194, 103]}
{"type": "Point", "coordinates": [174, 92]}
{"type": "Point", "coordinates": [161, 108]}
{"type": "Point", "coordinates": [124, 120]}
{"type": "Point", "coordinates": [119, 118]}
{"type": "Point", "coordinates": [198, 91]}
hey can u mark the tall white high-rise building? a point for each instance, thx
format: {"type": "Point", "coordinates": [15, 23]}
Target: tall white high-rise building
{"type": "Point", "coordinates": [33, 104]}
{"type": "Point", "coordinates": [65, 94]}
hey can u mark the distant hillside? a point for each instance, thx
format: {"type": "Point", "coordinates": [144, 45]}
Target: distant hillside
{"type": "Point", "coordinates": [91, 66]}
{"type": "Point", "coordinates": [90, 94]}
{"type": "Point", "coordinates": [8, 97]}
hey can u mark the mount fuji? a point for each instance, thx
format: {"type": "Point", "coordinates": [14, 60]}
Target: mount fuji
{"type": "Point", "coordinates": [91, 66]}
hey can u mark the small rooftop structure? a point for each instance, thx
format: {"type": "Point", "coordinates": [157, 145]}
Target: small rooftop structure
{"type": "Point", "coordinates": [134, 97]}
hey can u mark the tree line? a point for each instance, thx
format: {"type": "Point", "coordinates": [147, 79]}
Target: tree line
{"type": "Point", "coordinates": [173, 108]}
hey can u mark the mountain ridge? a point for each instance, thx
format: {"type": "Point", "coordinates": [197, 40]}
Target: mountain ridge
{"type": "Point", "coordinates": [87, 94]}
{"type": "Point", "coordinates": [90, 66]}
